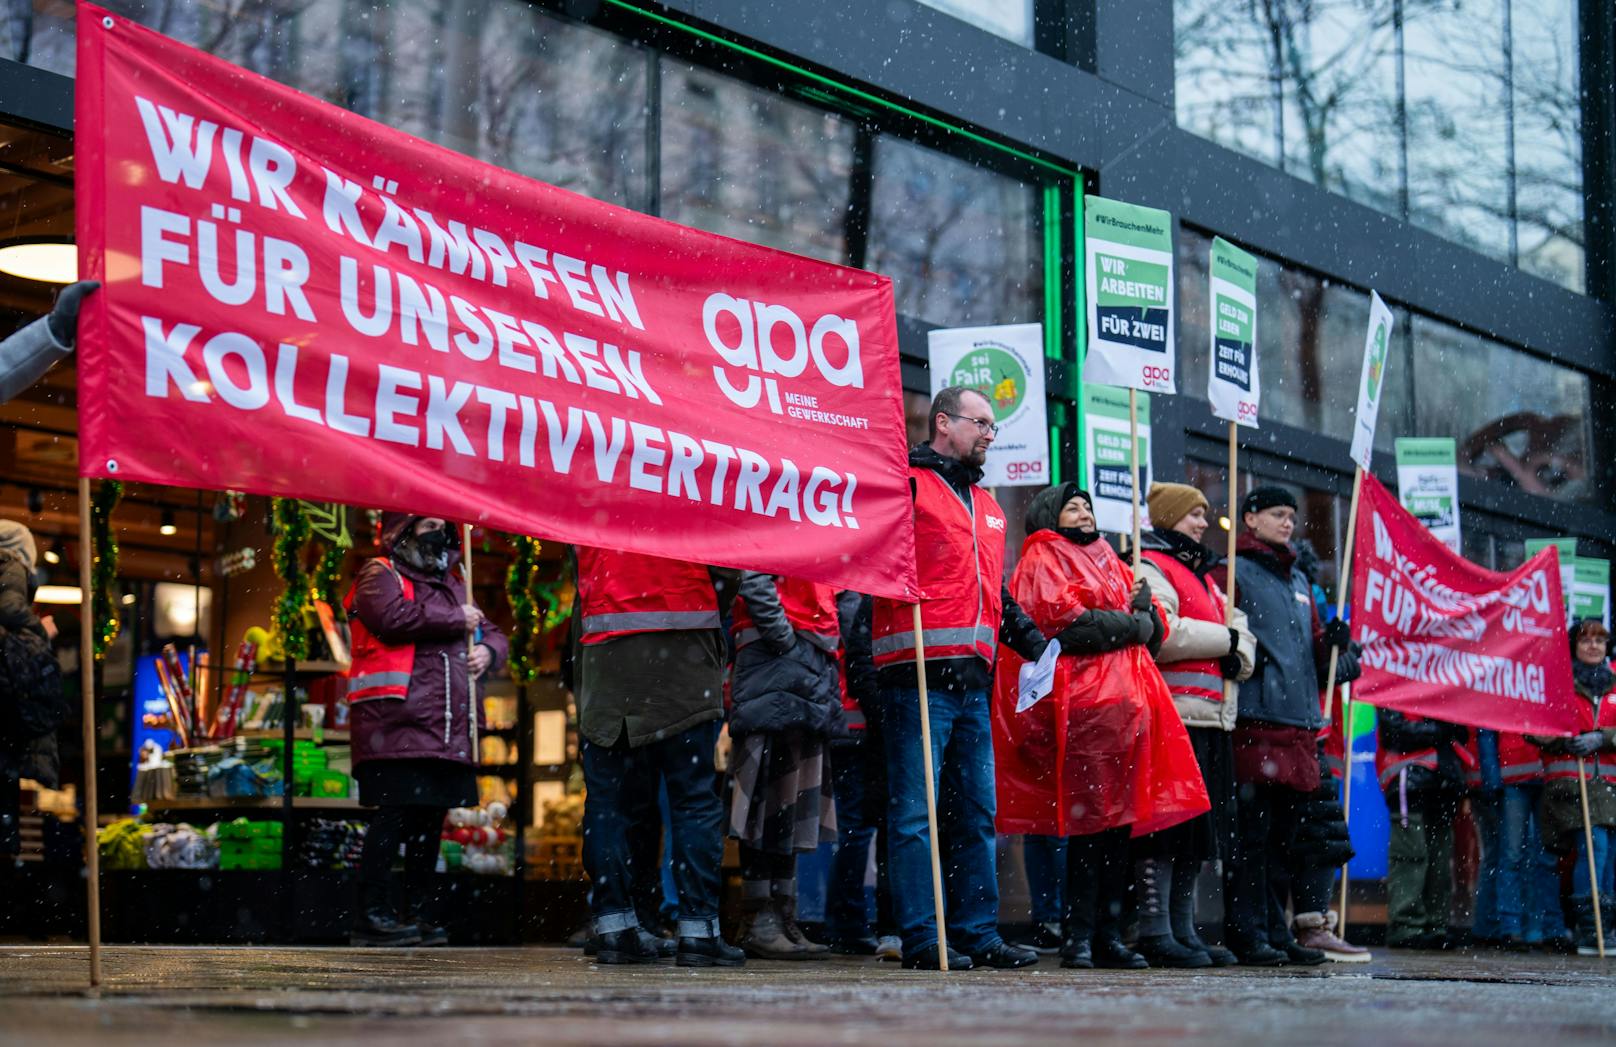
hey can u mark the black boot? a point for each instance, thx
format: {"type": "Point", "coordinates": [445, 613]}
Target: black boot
{"type": "Point", "coordinates": [1585, 936]}
{"type": "Point", "coordinates": [1163, 950]}
{"type": "Point", "coordinates": [630, 945]}
{"type": "Point", "coordinates": [432, 933]}
{"type": "Point", "coordinates": [1219, 956]}
{"type": "Point", "coordinates": [708, 952]}
{"type": "Point", "coordinates": [1109, 952]}
{"type": "Point", "coordinates": [376, 924]}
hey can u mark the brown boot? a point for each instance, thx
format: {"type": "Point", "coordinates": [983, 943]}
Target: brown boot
{"type": "Point", "coordinates": [788, 918]}
{"type": "Point", "coordinates": [766, 938]}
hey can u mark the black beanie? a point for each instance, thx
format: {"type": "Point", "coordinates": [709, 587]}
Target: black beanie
{"type": "Point", "coordinates": [1266, 498]}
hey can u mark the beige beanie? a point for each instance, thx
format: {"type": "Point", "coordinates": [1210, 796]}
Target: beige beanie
{"type": "Point", "coordinates": [1170, 503]}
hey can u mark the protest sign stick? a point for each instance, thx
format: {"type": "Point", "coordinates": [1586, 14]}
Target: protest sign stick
{"type": "Point", "coordinates": [92, 847]}
{"type": "Point", "coordinates": [1234, 522]}
{"type": "Point", "coordinates": [1341, 588]}
{"type": "Point", "coordinates": [1593, 875]}
{"type": "Point", "coordinates": [1133, 444]}
{"type": "Point", "coordinates": [931, 798]}
{"type": "Point", "coordinates": [1346, 788]}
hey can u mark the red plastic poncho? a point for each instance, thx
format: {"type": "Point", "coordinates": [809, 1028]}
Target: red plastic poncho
{"type": "Point", "coordinates": [1106, 748]}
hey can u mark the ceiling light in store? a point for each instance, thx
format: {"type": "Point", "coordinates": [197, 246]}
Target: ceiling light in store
{"type": "Point", "coordinates": [48, 259]}
{"type": "Point", "coordinates": [53, 555]}
{"type": "Point", "coordinates": [168, 526]}
{"type": "Point", "coordinates": [128, 598]}
{"type": "Point", "coordinates": [62, 594]}
{"type": "Point", "coordinates": [1223, 522]}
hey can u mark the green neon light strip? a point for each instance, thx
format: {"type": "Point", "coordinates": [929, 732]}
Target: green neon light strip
{"type": "Point", "coordinates": [842, 88]}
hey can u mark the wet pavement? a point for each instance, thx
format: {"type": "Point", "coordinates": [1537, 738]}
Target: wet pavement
{"type": "Point", "coordinates": [195, 997]}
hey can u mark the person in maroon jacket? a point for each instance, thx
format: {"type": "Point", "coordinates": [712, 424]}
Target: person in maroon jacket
{"type": "Point", "coordinates": [415, 752]}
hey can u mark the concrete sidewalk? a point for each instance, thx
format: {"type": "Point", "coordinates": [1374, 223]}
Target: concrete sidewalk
{"type": "Point", "coordinates": [198, 997]}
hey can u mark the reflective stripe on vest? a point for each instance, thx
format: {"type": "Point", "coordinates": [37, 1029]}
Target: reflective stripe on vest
{"type": "Point", "coordinates": [1517, 773]}
{"type": "Point", "coordinates": [825, 643]}
{"type": "Point", "coordinates": [378, 670]}
{"type": "Point", "coordinates": [1178, 680]}
{"type": "Point", "coordinates": [650, 621]}
{"type": "Point", "coordinates": [1388, 768]}
{"type": "Point", "coordinates": [965, 641]}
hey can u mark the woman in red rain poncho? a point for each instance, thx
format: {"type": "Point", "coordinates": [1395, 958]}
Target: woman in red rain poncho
{"type": "Point", "coordinates": [1104, 756]}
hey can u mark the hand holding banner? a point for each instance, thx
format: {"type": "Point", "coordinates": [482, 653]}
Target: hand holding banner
{"type": "Point", "coordinates": [1446, 638]}
{"type": "Point", "coordinates": [299, 301]}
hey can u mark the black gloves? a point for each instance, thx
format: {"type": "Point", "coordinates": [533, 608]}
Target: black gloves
{"type": "Point", "coordinates": [1337, 633]}
{"type": "Point", "coordinates": [1347, 667]}
{"type": "Point", "coordinates": [1144, 623]}
{"type": "Point", "coordinates": [63, 320]}
{"type": "Point", "coordinates": [1229, 666]}
{"type": "Point", "coordinates": [1234, 641]}
{"type": "Point", "coordinates": [1141, 599]}
{"type": "Point", "coordinates": [1585, 744]}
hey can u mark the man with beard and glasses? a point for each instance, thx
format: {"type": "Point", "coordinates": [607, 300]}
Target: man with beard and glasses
{"type": "Point", "coordinates": [966, 612]}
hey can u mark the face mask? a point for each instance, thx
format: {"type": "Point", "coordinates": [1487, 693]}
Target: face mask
{"type": "Point", "coordinates": [1080, 537]}
{"type": "Point", "coordinates": [434, 543]}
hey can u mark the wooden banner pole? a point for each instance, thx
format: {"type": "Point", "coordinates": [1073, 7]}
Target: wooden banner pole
{"type": "Point", "coordinates": [92, 847]}
{"type": "Point", "coordinates": [1234, 523]}
{"type": "Point", "coordinates": [1341, 588]}
{"type": "Point", "coordinates": [1593, 874]}
{"type": "Point", "coordinates": [931, 798]}
{"type": "Point", "coordinates": [1133, 444]}
{"type": "Point", "coordinates": [1346, 790]}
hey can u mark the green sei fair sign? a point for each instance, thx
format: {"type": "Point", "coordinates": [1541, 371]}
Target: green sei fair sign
{"type": "Point", "coordinates": [1128, 276]}
{"type": "Point", "coordinates": [1109, 458]}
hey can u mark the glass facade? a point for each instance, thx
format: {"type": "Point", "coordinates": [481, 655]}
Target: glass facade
{"type": "Point", "coordinates": [1011, 19]}
{"type": "Point", "coordinates": [1460, 115]}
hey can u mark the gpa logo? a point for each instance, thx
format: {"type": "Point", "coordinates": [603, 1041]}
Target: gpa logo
{"type": "Point", "coordinates": [1248, 410]}
{"type": "Point", "coordinates": [995, 523]}
{"type": "Point", "coordinates": [766, 343]}
{"type": "Point", "coordinates": [1156, 377]}
{"type": "Point", "coordinates": [1024, 470]}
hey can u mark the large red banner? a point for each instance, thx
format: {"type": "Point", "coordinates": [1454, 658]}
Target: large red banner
{"type": "Point", "coordinates": [1445, 638]}
{"type": "Point", "coordinates": [300, 301]}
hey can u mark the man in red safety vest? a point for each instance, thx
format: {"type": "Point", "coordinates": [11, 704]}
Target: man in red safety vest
{"type": "Point", "coordinates": [649, 677]}
{"type": "Point", "coordinates": [965, 613]}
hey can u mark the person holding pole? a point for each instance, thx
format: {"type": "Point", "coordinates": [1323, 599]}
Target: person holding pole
{"type": "Point", "coordinates": [1205, 647]}
{"type": "Point", "coordinates": [1276, 726]}
{"type": "Point", "coordinates": [650, 689]}
{"type": "Point", "coordinates": [964, 613]}
{"type": "Point", "coordinates": [1579, 794]}
{"type": "Point", "coordinates": [414, 717]}
{"type": "Point", "coordinates": [1103, 758]}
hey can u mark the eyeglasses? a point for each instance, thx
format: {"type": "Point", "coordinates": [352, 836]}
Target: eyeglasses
{"type": "Point", "coordinates": [986, 427]}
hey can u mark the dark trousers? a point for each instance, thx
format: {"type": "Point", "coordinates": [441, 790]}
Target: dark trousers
{"type": "Point", "coordinates": [1265, 820]}
{"type": "Point", "coordinates": [644, 812]}
{"type": "Point", "coordinates": [1045, 860]}
{"type": "Point", "coordinates": [1098, 875]}
{"type": "Point", "coordinates": [1419, 869]}
{"type": "Point", "coordinates": [419, 829]}
{"type": "Point", "coordinates": [621, 781]}
{"type": "Point", "coordinates": [859, 772]}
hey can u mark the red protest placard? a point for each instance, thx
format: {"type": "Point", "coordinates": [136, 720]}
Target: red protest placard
{"type": "Point", "coordinates": [1445, 638]}
{"type": "Point", "coordinates": [300, 301]}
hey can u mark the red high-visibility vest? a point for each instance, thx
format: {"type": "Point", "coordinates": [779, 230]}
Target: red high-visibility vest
{"type": "Point", "coordinates": [959, 553]}
{"type": "Point", "coordinates": [1519, 761]}
{"type": "Point", "coordinates": [810, 608]}
{"type": "Point", "coordinates": [1389, 764]}
{"type": "Point", "coordinates": [1196, 678]}
{"type": "Point", "coordinates": [1601, 765]}
{"type": "Point", "coordinates": [624, 593]}
{"type": "Point", "coordinates": [378, 670]}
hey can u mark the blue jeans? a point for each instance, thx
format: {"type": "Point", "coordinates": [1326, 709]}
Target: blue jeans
{"type": "Point", "coordinates": [1528, 876]}
{"type": "Point", "coordinates": [622, 781]}
{"type": "Point", "coordinates": [962, 765]}
{"type": "Point", "coordinates": [858, 769]}
{"type": "Point", "coordinates": [1045, 858]}
{"type": "Point", "coordinates": [1486, 812]}
{"type": "Point", "coordinates": [1604, 864]}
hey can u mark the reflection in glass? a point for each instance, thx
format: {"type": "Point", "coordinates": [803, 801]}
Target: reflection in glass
{"type": "Point", "coordinates": [748, 163]}
{"type": "Point", "coordinates": [1517, 418]}
{"type": "Point", "coordinates": [961, 243]}
{"type": "Point", "coordinates": [1011, 19]}
{"type": "Point", "coordinates": [1548, 141]}
{"type": "Point", "coordinates": [1310, 336]}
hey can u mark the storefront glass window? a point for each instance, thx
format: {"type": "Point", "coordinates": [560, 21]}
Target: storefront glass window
{"type": "Point", "coordinates": [1310, 335]}
{"type": "Point", "coordinates": [1518, 419]}
{"type": "Point", "coordinates": [751, 164]}
{"type": "Point", "coordinates": [960, 242]}
{"type": "Point", "coordinates": [1011, 19]}
{"type": "Point", "coordinates": [1482, 145]}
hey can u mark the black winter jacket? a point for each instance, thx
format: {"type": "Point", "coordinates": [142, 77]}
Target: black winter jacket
{"type": "Point", "coordinates": [1399, 734]}
{"type": "Point", "coordinates": [783, 681]}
